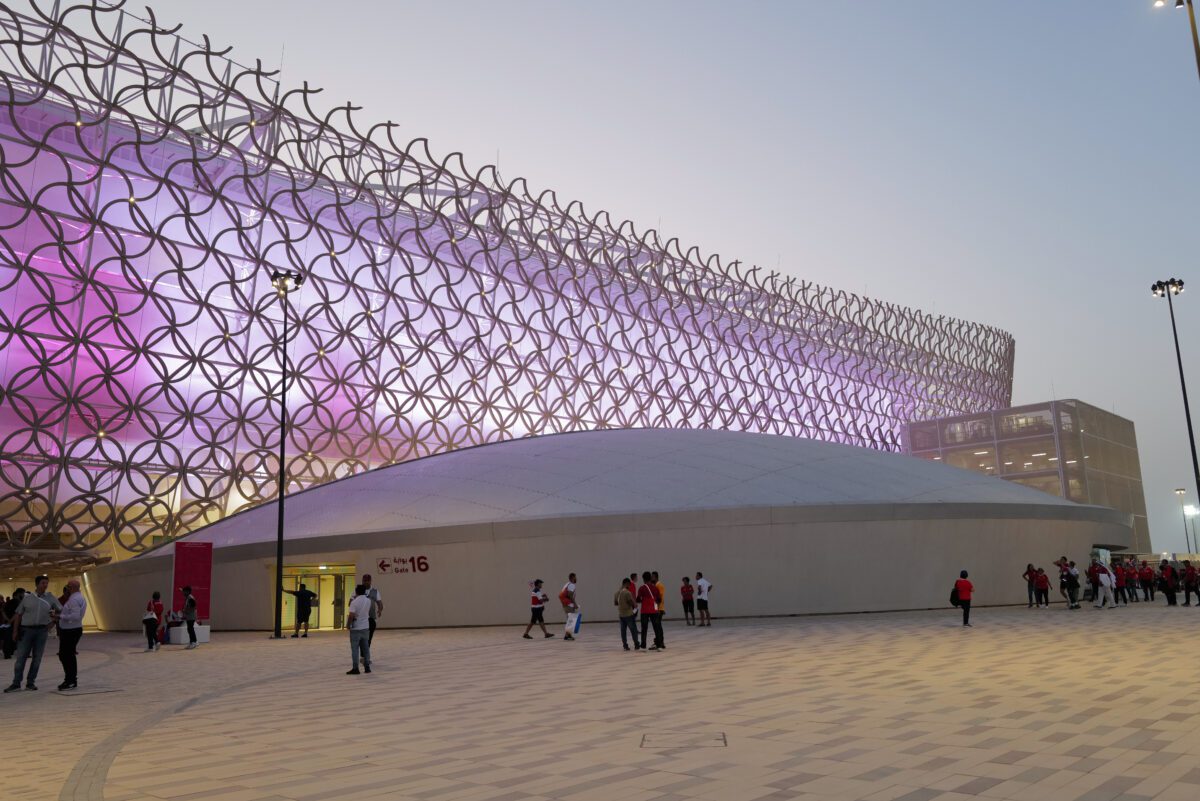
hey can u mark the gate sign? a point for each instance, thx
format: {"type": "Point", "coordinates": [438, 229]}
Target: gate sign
{"type": "Point", "coordinates": [193, 567]}
{"type": "Point", "coordinates": [402, 564]}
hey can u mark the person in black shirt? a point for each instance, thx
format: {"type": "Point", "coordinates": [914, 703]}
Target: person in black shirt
{"type": "Point", "coordinates": [304, 602]}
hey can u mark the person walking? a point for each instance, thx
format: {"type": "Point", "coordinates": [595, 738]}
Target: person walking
{"type": "Point", "coordinates": [1041, 588]}
{"type": "Point", "coordinates": [31, 626]}
{"type": "Point", "coordinates": [189, 617]}
{"type": "Point", "coordinates": [703, 588]}
{"type": "Point", "coordinates": [1073, 586]}
{"type": "Point", "coordinates": [687, 594]}
{"type": "Point", "coordinates": [359, 624]}
{"type": "Point", "coordinates": [1102, 585]}
{"type": "Point", "coordinates": [1062, 564]}
{"type": "Point", "coordinates": [70, 632]}
{"type": "Point", "coordinates": [1190, 583]}
{"type": "Point", "coordinates": [537, 608]}
{"type": "Point", "coordinates": [1030, 576]}
{"type": "Point", "coordinates": [965, 588]}
{"type": "Point", "coordinates": [1118, 577]}
{"type": "Point", "coordinates": [304, 601]}
{"type": "Point", "coordinates": [1146, 577]}
{"type": "Point", "coordinates": [152, 620]}
{"type": "Point", "coordinates": [624, 601]}
{"type": "Point", "coordinates": [1168, 582]}
{"type": "Point", "coordinates": [566, 597]}
{"type": "Point", "coordinates": [648, 602]}
{"type": "Point", "coordinates": [376, 606]}
{"type": "Point", "coordinates": [8, 611]}
{"type": "Point", "coordinates": [1131, 581]}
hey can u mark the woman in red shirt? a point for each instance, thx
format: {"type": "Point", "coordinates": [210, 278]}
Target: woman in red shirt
{"type": "Point", "coordinates": [152, 620]}
{"type": "Point", "coordinates": [647, 598]}
{"type": "Point", "coordinates": [964, 588]}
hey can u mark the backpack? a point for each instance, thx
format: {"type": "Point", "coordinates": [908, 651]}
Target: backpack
{"type": "Point", "coordinates": [954, 597]}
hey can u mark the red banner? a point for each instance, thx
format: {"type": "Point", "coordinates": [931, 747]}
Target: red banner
{"type": "Point", "coordinates": [193, 568]}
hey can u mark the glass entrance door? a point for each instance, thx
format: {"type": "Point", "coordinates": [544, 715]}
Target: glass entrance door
{"type": "Point", "coordinates": [331, 583]}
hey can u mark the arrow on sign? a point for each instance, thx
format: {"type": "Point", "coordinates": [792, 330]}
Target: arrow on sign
{"type": "Point", "coordinates": [384, 566]}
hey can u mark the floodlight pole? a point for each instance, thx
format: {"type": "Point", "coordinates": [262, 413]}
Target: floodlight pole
{"type": "Point", "coordinates": [283, 281]}
{"type": "Point", "coordinates": [1174, 286]}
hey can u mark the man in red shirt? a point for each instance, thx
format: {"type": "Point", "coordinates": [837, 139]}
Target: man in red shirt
{"type": "Point", "coordinates": [648, 600]}
{"type": "Point", "coordinates": [1189, 583]}
{"type": "Point", "coordinates": [964, 588]}
{"type": "Point", "coordinates": [1146, 577]}
{"type": "Point", "coordinates": [1131, 581]}
{"type": "Point", "coordinates": [1118, 575]}
{"type": "Point", "coordinates": [1170, 582]}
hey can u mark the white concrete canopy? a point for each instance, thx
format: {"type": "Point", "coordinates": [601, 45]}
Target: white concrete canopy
{"type": "Point", "coordinates": [614, 472]}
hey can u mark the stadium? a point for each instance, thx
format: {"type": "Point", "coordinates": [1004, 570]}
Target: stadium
{"type": "Point", "coordinates": [178, 232]}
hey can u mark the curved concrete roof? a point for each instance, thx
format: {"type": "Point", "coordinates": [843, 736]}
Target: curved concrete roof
{"type": "Point", "coordinates": [617, 472]}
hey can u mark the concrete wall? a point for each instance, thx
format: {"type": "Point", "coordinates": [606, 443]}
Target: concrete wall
{"type": "Point", "coordinates": [764, 561]}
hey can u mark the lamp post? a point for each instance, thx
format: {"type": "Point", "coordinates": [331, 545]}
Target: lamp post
{"type": "Point", "coordinates": [284, 282]}
{"type": "Point", "coordinates": [1179, 493]}
{"type": "Point", "coordinates": [1192, 19]}
{"type": "Point", "coordinates": [1170, 288]}
{"type": "Point", "coordinates": [1190, 512]}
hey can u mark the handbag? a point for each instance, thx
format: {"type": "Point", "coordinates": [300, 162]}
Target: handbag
{"type": "Point", "coordinates": [954, 597]}
{"type": "Point", "coordinates": [150, 616]}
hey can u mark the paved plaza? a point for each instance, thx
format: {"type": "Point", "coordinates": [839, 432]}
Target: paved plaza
{"type": "Point", "coordinates": [1030, 704]}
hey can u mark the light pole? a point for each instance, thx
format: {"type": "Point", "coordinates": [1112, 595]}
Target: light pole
{"type": "Point", "coordinates": [1190, 512]}
{"type": "Point", "coordinates": [284, 282]}
{"type": "Point", "coordinates": [1179, 493]}
{"type": "Point", "coordinates": [1170, 288]}
{"type": "Point", "coordinates": [1192, 19]}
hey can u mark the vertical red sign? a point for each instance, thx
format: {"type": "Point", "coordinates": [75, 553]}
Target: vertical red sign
{"type": "Point", "coordinates": [193, 568]}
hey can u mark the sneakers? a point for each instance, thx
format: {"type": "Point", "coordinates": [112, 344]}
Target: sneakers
{"type": "Point", "coordinates": [13, 688]}
{"type": "Point", "coordinates": [68, 685]}
{"type": "Point", "coordinates": [366, 668]}
{"type": "Point", "coordinates": [304, 636]}
{"type": "Point", "coordinates": [30, 686]}
{"type": "Point", "coordinates": [549, 635]}
{"type": "Point", "coordinates": [526, 636]}
{"type": "Point", "coordinates": [295, 636]}
{"type": "Point", "coordinates": [354, 672]}
{"type": "Point", "coordinates": [626, 647]}
{"type": "Point", "coordinates": [156, 646]}
{"type": "Point", "coordinates": [568, 637]}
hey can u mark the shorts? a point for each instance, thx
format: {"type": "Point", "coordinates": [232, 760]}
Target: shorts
{"type": "Point", "coordinates": [302, 615]}
{"type": "Point", "coordinates": [689, 606]}
{"type": "Point", "coordinates": [702, 604]}
{"type": "Point", "coordinates": [536, 616]}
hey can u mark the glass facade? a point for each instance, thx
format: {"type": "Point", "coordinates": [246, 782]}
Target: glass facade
{"type": "Point", "coordinates": [1066, 448]}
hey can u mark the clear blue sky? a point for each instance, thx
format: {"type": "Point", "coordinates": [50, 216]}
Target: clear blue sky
{"type": "Point", "coordinates": [1028, 164]}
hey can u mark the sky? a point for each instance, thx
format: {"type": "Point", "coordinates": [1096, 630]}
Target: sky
{"type": "Point", "coordinates": [1025, 164]}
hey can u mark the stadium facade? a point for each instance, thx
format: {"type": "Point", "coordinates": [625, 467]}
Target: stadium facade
{"type": "Point", "coordinates": [149, 187]}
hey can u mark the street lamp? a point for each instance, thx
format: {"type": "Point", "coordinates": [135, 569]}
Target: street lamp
{"type": "Point", "coordinates": [1192, 19]}
{"type": "Point", "coordinates": [1179, 493]}
{"type": "Point", "coordinates": [1170, 288]}
{"type": "Point", "coordinates": [284, 281]}
{"type": "Point", "coordinates": [1191, 512]}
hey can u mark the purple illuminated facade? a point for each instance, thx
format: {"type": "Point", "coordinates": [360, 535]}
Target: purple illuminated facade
{"type": "Point", "coordinates": [148, 190]}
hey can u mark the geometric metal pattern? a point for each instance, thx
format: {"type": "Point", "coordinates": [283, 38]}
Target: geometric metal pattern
{"type": "Point", "coordinates": [148, 187]}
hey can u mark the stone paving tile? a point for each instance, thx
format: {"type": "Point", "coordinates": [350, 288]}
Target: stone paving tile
{"type": "Point", "coordinates": [854, 708]}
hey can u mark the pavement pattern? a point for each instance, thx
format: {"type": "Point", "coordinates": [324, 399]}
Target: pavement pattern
{"type": "Point", "coordinates": [1031, 704]}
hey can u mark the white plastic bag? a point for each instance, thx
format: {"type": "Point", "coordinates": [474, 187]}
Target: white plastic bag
{"type": "Point", "coordinates": [573, 621]}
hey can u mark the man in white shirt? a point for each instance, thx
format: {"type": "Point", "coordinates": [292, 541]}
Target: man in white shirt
{"type": "Point", "coordinates": [358, 622]}
{"type": "Point", "coordinates": [566, 597]}
{"type": "Point", "coordinates": [703, 587]}
{"type": "Point", "coordinates": [70, 631]}
{"type": "Point", "coordinates": [30, 625]}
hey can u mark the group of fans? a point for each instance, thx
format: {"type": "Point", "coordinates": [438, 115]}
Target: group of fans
{"type": "Point", "coordinates": [1115, 584]}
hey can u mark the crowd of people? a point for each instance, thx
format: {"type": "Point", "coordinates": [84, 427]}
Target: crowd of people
{"type": "Point", "coordinates": [647, 600]}
{"type": "Point", "coordinates": [1120, 583]}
